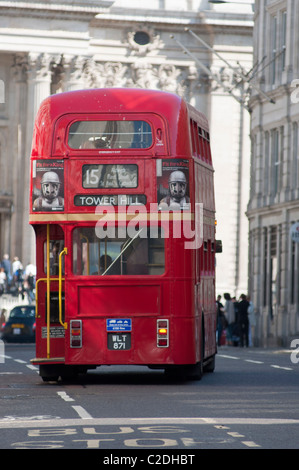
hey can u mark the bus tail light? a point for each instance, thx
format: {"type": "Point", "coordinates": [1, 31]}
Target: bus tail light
{"type": "Point", "coordinates": [162, 334]}
{"type": "Point", "coordinates": [76, 333]}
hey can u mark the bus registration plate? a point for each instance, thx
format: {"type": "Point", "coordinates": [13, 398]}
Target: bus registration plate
{"type": "Point", "coordinates": [119, 341]}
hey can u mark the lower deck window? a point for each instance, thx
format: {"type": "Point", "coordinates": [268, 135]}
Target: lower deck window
{"type": "Point", "coordinates": [139, 255]}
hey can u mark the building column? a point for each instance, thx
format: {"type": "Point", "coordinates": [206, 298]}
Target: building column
{"type": "Point", "coordinates": [39, 78]}
{"type": "Point", "coordinates": [73, 72]}
{"type": "Point", "coordinates": [256, 275]}
{"type": "Point", "coordinates": [20, 157]}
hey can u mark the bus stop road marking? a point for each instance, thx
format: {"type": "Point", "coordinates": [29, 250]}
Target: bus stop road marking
{"type": "Point", "coordinates": [82, 412]}
{"type": "Point", "coordinates": [61, 422]}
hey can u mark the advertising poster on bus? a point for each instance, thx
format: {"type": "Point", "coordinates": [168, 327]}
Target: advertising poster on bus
{"type": "Point", "coordinates": [173, 184]}
{"type": "Point", "coordinates": [48, 185]}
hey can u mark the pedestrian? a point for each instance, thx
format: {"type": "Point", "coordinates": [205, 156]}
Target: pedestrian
{"type": "Point", "coordinates": [16, 265]}
{"type": "Point", "coordinates": [29, 281]}
{"type": "Point", "coordinates": [235, 329]}
{"type": "Point", "coordinates": [17, 272]}
{"type": "Point", "coordinates": [243, 320]}
{"type": "Point", "coordinates": [229, 311]}
{"type": "Point", "coordinates": [2, 281]}
{"type": "Point", "coordinates": [2, 317]}
{"type": "Point", "coordinates": [220, 319]}
{"type": "Point", "coordinates": [6, 264]}
{"type": "Point", "coordinates": [252, 322]}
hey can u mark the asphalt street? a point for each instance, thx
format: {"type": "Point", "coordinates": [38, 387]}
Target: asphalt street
{"type": "Point", "coordinates": [251, 401]}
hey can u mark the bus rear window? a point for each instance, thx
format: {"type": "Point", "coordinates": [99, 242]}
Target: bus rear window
{"type": "Point", "coordinates": [110, 135]}
{"type": "Point", "coordinates": [139, 255]}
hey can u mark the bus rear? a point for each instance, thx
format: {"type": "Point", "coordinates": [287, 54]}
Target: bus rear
{"type": "Point", "coordinates": [122, 205]}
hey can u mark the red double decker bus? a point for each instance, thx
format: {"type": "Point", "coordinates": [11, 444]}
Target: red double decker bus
{"type": "Point", "coordinates": [122, 205]}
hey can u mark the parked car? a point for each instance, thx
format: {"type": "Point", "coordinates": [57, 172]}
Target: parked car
{"type": "Point", "coordinates": [20, 325]}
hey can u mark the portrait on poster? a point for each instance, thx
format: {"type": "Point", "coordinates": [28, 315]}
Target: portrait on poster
{"type": "Point", "coordinates": [48, 185]}
{"type": "Point", "coordinates": [173, 184]}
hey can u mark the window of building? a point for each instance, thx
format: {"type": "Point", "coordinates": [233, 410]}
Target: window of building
{"type": "Point", "coordinates": [265, 268]}
{"type": "Point", "coordinates": [295, 155]}
{"type": "Point", "coordinates": [271, 294]}
{"type": "Point", "coordinates": [275, 161]}
{"type": "Point", "coordinates": [283, 39]}
{"type": "Point", "coordinates": [142, 38]}
{"type": "Point", "coordinates": [273, 49]}
{"type": "Point", "coordinates": [266, 163]}
{"type": "Point", "coordinates": [293, 272]}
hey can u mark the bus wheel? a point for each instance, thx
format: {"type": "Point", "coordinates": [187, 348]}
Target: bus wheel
{"type": "Point", "coordinates": [195, 372]}
{"type": "Point", "coordinates": [48, 373]}
{"type": "Point", "coordinates": [185, 372]}
{"type": "Point", "coordinates": [69, 373]}
{"type": "Point", "coordinates": [51, 379]}
{"type": "Point", "coordinates": [210, 366]}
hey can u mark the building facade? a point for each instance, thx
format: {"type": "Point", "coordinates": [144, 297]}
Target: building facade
{"type": "Point", "coordinates": [273, 208]}
{"type": "Point", "coordinates": [55, 46]}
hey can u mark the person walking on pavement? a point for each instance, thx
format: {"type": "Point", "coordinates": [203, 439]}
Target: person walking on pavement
{"type": "Point", "coordinates": [229, 311]}
{"type": "Point", "coordinates": [220, 319]}
{"type": "Point", "coordinates": [243, 320]}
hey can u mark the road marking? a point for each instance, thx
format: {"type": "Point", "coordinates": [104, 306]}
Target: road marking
{"type": "Point", "coordinates": [254, 362]}
{"type": "Point", "coordinates": [32, 367]}
{"type": "Point", "coordinates": [228, 357]}
{"type": "Point", "coordinates": [250, 444]}
{"type": "Point", "coordinates": [20, 361]}
{"type": "Point", "coordinates": [11, 373]}
{"type": "Point", "coordinates": [45, 423]}
{"type": "Point", "coordinates": [65, 396]}
{"type": "Point", "coordinates": [82, 412]}
{"type": "Point", "coordinates": [235, 434]}
{"type": "Point", "coordinates": [280, 367]}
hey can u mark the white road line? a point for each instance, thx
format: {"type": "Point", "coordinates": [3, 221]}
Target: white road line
{"type": "Point", "coordinates": [32, 367]}
{"type": "Point", "coordinates": [82, 412]}
{"type": "Point", "coordinates": [11, 373]}
{"type": "Point", "coordinates": [235, 434]}
{"type": "Point", "coordinates": [65, 396]}
{"type": "Point", "coordinates": [254, 362]}
{"type": "Point", "coordinates": [20, 361]}
{"type": "Point", "coordinates": [250, 444]}
{"type": "Point", "coordinates": [25, 423]}
{"type": "Point", "coordinates": [280, 367]}
{"type": "Point", "coordinates": [228, 357]}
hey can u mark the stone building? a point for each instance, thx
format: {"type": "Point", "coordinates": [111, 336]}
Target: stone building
{"type": "Point", "coordinates": [274, 206]}
{"type": "Point", "coordinates": [54, 46]}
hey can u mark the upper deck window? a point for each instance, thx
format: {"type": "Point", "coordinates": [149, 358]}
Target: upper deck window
{"type": "Point", "coordinates": [110, 135]}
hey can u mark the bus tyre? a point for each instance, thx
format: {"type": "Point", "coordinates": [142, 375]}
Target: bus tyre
{"type": "Point", "coordinates": [49, 373]}
{"type": "Point", "coordinates": [185, 372]}
{"type": "Point", "coordinates": [195, 372]}
{"type": "Point", "coordinates": [210, 366]}
{"type": "Point", "coordinates": [50, 379]}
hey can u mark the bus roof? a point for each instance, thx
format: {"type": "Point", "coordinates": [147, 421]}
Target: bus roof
{"type": "Point", "coordinates": [109, 100]}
